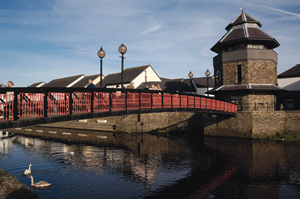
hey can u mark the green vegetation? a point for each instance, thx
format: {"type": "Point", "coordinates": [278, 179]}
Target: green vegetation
{"type": "Point", "coordinates": [283, 137]}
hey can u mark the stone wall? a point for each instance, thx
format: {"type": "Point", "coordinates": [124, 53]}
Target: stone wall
{"type": "Point", "coordinates": [165, 121]}
{"type": "Point", "coordinates": [253, 71]}
{"type": "Point", "coordinates": [253, 124]}
{"type": "Point", "coordinates": [292, 122]}
{"type": "Point", "coordinates": [258, 102]}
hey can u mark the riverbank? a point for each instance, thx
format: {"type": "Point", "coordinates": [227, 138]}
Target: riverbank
{"type": "Point", "coordinates": [11, 188]}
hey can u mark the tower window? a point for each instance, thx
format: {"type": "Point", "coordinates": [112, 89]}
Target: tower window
{"type": "Point", "coordinates": [239, 73]}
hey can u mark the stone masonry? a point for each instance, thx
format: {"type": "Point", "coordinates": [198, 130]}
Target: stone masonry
{"type": "Point", "coordinates": [253, 71]}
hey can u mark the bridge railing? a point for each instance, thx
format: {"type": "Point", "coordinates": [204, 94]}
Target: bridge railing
{"type": "Point", "coordinates": [44, 102]}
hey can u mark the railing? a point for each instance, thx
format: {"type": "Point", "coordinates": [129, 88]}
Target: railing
{"type": "Point", "coordinates": [44, 102]}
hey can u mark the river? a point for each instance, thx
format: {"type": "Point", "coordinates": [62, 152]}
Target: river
{"type": "Point", "coordinates": [156, 166]}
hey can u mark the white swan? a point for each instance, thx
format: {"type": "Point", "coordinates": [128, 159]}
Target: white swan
{"type": "Point", "coordinates": [39, 184]}
{"type": "Point", "coordinates": [28, 171]}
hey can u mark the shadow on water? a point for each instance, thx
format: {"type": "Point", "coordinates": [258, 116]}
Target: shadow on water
{"type": "Point", "coordinates": [143, 165]}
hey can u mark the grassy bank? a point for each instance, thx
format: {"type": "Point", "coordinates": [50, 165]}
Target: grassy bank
{"type": "Point", "coordinates": [284, 137]}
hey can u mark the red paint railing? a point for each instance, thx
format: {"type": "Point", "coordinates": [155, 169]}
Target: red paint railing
{"type": "Point", "coordinates": [31, 105]}
{"type": "Point", "coordinates": [191, 102]}
{"type": "Point", "coordinates": [6, 107]}
{"type": "Point", "coordinates": [101, 101]}
{"type": "Point", "coordinates": [133, 101]}
{"type": "Point", "coordinates": [58, 103]}
{"type": "Point", "coordinates": [198, 102]}
{"type": "Point", "coordinates": [183, 101]}
{"type": "Point", "coordinates": [145, 100]}
{"type": "Point", "coordinates": [167, 100]}
{"type": "Point", "coordinates": [118, 101]}
{"type": "Point", "coordinates": [176, 100]}
{"type": "Point", "coordinates": [156, 100]}
{"type": "Point", "coordinates": [81, 102]}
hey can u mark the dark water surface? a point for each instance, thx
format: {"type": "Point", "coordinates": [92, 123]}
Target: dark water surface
{"type": "Point", "coordinates": [151, 166]}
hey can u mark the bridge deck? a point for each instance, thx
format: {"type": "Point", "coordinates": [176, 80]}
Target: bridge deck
{"type": "Point", "coordinates": [28, 106]}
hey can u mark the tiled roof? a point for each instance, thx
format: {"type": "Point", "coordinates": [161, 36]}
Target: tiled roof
{"type": "Point", "coordinates": [84, 81]}
{"type": "Point", "coordinates": [239, 87]}
{"type": "Point", "coordinates": [62, 82]}
{"type": "Point", "coordinates": [243, 18]}
{"type": "Point", "coordinates": [292, 72]}
{"type": "Point", "coordinates": [242, 30]}
{"type": "Point", "coordinates": [128, 75]}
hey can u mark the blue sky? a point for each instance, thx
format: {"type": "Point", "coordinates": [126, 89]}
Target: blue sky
{"type": "Point", "coordinates": [50, 39]}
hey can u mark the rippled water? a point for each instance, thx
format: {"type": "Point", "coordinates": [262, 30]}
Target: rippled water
{"type": "Point", "coordinates": [146, 166]}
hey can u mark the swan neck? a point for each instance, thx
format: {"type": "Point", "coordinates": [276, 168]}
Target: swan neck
{"type": "Point", "coordinates": [32, 180]}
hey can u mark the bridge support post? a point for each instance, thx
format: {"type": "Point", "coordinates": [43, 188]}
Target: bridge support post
{"type": "Point", "coordinates": [92, 101]}
{"type": "Point", "coordinates": [70, 103]}
{"type": "Point", "coordinates": [15, 111]}
{"type": "Point", "coordinates": [45, 104]}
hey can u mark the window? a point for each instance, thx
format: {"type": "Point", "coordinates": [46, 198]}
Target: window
{"type": "Point", "coordinates": [238, 101]}
{"type": "Point", "coordinates": [239, 74]}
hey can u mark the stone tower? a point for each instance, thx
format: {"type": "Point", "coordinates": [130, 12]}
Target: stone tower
{"type": "Point", "coordinates": [245, 68]}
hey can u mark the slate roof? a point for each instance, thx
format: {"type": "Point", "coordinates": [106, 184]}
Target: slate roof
{"type": "Point", "coordinates": [242, 30]}
{"type": "Point", "coordinates": [170, 86]}
{"type": "Point", "coordinates": [128, 75]}
{"type": "Point", "coordinates": [84, 81]}
{"type": "Point", "coordinates": [292, 72]}
{"type": "Point", "coordinates": [62, 82]}
{"type": "Point", "coordinates": [240, 87]}
{"type": "Point", "coordinates": [36, 84]}
{"type": "Point", "coordinates": [180, 85]}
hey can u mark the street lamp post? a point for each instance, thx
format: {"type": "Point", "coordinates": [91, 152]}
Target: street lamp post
{"type": "Point", "coordinates": [207, 73]}
{"type": "Point", "coordinates": [101, 54]}
{"type": "Point", "coordinates": [122, 50]}
{"type": "Point", "coordinates": [145, 78]}
{"type": "Point", "coordinates": [191, 76]}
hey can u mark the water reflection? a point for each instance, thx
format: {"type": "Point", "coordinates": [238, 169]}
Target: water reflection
{"type": "Point", "coordinates": [146, 166]}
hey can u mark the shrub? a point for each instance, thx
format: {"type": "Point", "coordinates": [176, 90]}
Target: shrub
{"type": "Point", "coordinates": [283, 137]}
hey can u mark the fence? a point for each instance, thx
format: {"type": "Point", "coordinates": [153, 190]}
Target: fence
{"type": "Point", "coordinates": [52, 103]}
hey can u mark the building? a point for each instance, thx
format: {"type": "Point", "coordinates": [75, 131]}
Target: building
{"type": "Point", "coordinates": [136, 75]}
{"type": "Point", "coordinates": [37, 84]}
{"type": "Point", "coordinates": [64, 82]}
{"type": "Point", "coordinates": [196, 85]}
{"type": "Point", "coordinates": [290, 81]}
{"type": "Point", "coordinates": [245, 68]}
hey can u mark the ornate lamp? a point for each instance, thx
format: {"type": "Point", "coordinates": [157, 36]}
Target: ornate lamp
{"type": "Point", "coordinates": [101, 54]}
{"type": "Point", "coordinates": [207, 73]}
{"type": "Point", "coordinates": [122, 50]}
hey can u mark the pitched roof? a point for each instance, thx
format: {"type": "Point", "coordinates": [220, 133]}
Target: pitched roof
{"type": "Point", "coordinates": [239, 87]}
{"type": "Point", "coordinates": [181, 84]}
{"type": "Point", "coordinates": [244, 29]}
{"type": "Point", "coordinates": [128, 75]}
{"type": "Point", "coordinates": [2, 85]}
{"type": "Point", "coordinates": [63, 82]}
{"type": "Point", "coordinates": [37, 84]}
{"type": "Point", "coordinates": [292, 72]}
{"type": "Point", "coordinates": [170, 86]}
{"type": "Point", "coordinates": [84, 81]}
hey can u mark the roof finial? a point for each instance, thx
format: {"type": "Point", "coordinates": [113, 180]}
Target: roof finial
{"type": "Point", "coordinates": [242, 9]}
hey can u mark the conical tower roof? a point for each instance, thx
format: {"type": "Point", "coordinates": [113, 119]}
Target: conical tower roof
{"type": "Point", "coordinates": [244, 29]}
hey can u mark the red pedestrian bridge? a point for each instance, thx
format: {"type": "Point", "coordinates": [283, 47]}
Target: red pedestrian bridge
{"type": "Point", "coordinates": [29, 106]}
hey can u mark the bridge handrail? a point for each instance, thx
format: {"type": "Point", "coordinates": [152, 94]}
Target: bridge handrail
{"type": "Point", "coordinates": [41, 102]}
